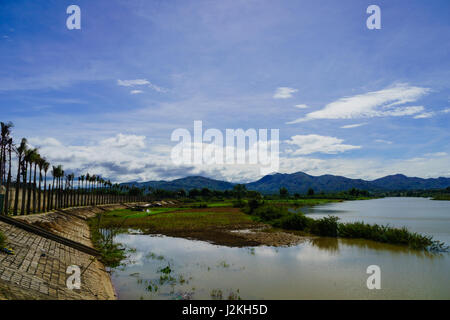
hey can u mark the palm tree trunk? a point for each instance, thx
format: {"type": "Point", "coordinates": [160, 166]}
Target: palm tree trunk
{"type": "Point", "coordinates": [34, 188]}
{"type": "Point", "coordinates": [24, 188]}
{"type": "Point", "coordinates": [16, 198]}
{"type": "Point", "coordinates": [39, 190]}
{"type": "Point", "coordinates": [29, 190]}
{"type": "Point", "coordinates": [45, 196]}
{"type": "Point", "coordinates": [8, 183]}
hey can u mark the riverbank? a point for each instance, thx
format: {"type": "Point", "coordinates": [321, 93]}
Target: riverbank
{"type": "Point", "coordinates": [37, 269]}
{"type": "Point", "coordinates": [226, 226]}
{"type": "Point", "coordinates": [255, 222]}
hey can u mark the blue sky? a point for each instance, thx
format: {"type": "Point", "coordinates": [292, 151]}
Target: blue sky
{"type": "Point", "coordinates": [347, 100]}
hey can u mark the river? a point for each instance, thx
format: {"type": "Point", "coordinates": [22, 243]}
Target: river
{"type": "Point", "coordinates": [164, 267]}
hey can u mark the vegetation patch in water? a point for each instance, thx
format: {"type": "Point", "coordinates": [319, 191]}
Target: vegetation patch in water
{"type": "Point", "coordinates": [217, 294]}
{"type": "Point", "coordinates": [112, 254]}
{"type": "Point", "coordinates": [329, 226]}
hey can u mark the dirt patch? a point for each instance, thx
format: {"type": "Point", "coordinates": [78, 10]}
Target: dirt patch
{"type": "Point", "coordinates": [270, 238]}
{"type": "Point", "coordinates": [218, 237]}
{"type": "Point", "coordinates": [237, 236]}
{"type": "Point", "coordinates": [213, 210]}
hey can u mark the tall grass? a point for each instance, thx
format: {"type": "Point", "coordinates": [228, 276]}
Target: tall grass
{"type": "Point", "coordinates": [384, 234]}
{"type": "Point", "coordinates": [330, 226]}
{"type": "Point", "coordinates": [112, 254]}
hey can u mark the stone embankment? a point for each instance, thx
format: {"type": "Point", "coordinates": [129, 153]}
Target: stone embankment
{"type": "Point", "coordinates": [37, 269]}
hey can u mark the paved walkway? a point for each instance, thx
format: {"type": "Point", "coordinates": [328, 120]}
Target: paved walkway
{"type": "Point", "coordinates": [37, 270]}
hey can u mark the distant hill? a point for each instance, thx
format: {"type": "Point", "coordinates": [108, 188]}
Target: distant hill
{"type": "Point", "coordinates": [300, 182]}
{"type": "Point", "coordinates": [187, 183]}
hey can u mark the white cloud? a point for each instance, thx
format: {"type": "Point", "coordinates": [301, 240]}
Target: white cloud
{"type": "Point", "coordinates": [157, 88]}
{"type": "Point", "coordinates": [313, 143]}
{"type": "Point", "coordinates": [447, 110]}
{"type": "Point", "coordinates": [124, 141]}
{"type": "Point", "coordinates": [284, 93]}
{"type": "Point", "coordinates": [436, 154]}
{"type": "Point", "coordinates": [301, 106]}
{"type": "Point", "coordinates": [424, 115]}
{"type": "Point", "coordinates": [132, 83]}
{"type": "Point", "coordinates": [371, 104]}
{"type": "Point", "coordinates": [124, 158]}
{"type": "Point", "coordinates": [356, 125]}
{"type": "Point", "coordinates": [140, 82]}
{"type": "Point", "coordinates": [136, 91]}
{"type": "Point", "coordinates": [383, 141]}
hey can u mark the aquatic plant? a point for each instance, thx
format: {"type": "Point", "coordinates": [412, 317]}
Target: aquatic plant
{"type": "Point", "coordinates": [385, 234]}
{"type": "Point", "coordinates": [166, 270]}
{"type": "Point", "coordinates": [223, 264]}
{"type": "Point", "coordinates": [216, 294]}
{"type": "Point", "coordinates": [280, 217]}
{"type": "Point", "coordinates": [326, 226]}
{"type": "Point", "coordinates": [234, 295]}
{"type": "Point", "coordinates": [112, 254]}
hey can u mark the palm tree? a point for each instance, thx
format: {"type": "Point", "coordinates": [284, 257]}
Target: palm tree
{"type": "Point", "coordinates": [20, 151]}
{"type": "Point", "coordinates": [61, 187]}
{"type": "Point", "coordinates": [82, 189]}
{"type": "Point", "coordinates": [37, 158]}
{"type": "Point", "coordinates": [30, 157]}
{"type": "Point", "coordinates": [88, 182]}
{"type": "Point", "coordinates": [93, 178]}
{"type": "Point", "coordinates": [8, 183]}
{"type": "Point", "coordinates": [70, 178]}
{"type": "Point", "coordinates": [54, 174]}
{"type": "Point", "coordinates": [45, 166]}
{"type": "Point", "coordinates": [41, 162]}
{"type": "Point", "coordinates": [57, 173]}
{"type": "Point", "coordinates": [4, 141]}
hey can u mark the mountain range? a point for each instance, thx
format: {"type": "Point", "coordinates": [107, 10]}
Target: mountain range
{"type": "Point", "coordinates": [300, 182]}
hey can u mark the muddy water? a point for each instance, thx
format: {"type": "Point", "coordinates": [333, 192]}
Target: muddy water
{"type": "Point", "coordinates": [174, 268]}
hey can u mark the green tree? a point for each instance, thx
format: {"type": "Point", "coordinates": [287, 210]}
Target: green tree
{"type": "Point", "coordinates": [284, 192]}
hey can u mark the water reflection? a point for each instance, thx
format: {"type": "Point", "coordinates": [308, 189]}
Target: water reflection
{"type": "Point", "coordinates": [322, 268]}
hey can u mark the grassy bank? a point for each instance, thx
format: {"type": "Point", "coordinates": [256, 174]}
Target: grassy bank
{"type": "Point", "coordinates": [2, 240]}
{"type": "Point", "coordinates": [441, 197]}
{"type": "Point", "coordinates": [330, 226]}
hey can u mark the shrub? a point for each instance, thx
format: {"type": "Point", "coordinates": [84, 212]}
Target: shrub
{"type": "Point", "coordinates": [269, 213]}
{"type": "Point", "coordinates": [385, 234]}
{"type": "Point", "coordinates": [2, 240]}
{"type": "Point", "coordinates": [239, 204]}
{"type": "Point", "coordinates": [294, 222]}
{"type": "Point", "coordinates": [327, 226]}
{"type": "Point", "coordinates": [199, 205]}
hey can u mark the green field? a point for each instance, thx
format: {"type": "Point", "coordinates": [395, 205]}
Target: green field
{"type": "Point", "coordinates": [174, 219]}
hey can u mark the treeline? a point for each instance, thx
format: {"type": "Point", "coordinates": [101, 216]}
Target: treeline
{"type": "Point", "coordinates": [240, 191]}
{"type": "Point", "coordinates": [30, 192]}
{"type": "Point", "coordinates": [435, 194]}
